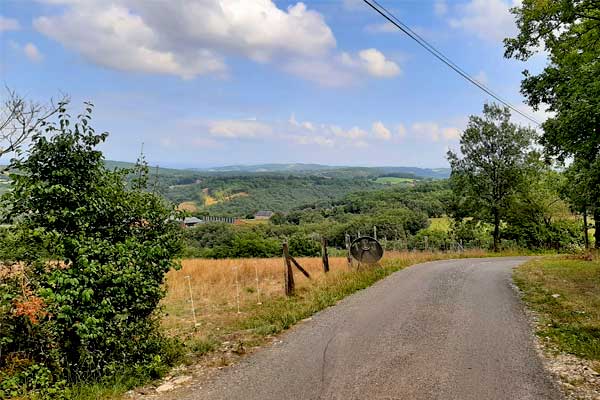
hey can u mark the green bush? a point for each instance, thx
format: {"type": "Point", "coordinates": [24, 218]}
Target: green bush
{"type": "Point", "coordinates": [301, 245]}
{"type": "Point", "coordinates": [84, 307]}
{"type": "Point", "coordinates": [550, 235]}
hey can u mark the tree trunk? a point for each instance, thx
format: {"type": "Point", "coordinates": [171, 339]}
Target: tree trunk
{"type": "Point", "coordinates": [586, 237]}
{"type": "Point", "coordinates": [496, 213]}
{"type": "Point", "coordinates": [597, 227]}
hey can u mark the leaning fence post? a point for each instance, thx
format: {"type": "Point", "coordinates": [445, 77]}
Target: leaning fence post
{"type": "Point", "coordinates": [324, 254]}
{"type": "Point", "coordinates": [288, 273]}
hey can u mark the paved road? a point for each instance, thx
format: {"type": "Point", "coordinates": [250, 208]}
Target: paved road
{"type": "Point", "coordinates": [441, 330]}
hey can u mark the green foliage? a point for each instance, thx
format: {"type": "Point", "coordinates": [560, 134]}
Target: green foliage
{"type": "Point", "coordinates": [538, 218]}
{"type": "Point", "coordinates": [492, 168]}
{"type": "Point", "coordinates": [84, 307]}
{"type": "Point", "coordinates": [304, 245]}
{"type": "Point", "coordinates": [552, 235]}
{"type": "Point", "coordinates": [431, 239]}
{"type": "Point", "coordinates": [472, 233]}
{"type": "Point", "coordinates": [569, 32]}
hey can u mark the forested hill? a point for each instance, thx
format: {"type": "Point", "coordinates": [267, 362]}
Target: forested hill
{"type": "Point", "coordinates": [240, 191]}
{"type": "Point", "coordinates": [435, 173]}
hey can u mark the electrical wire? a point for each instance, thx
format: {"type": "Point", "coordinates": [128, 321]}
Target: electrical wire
{"type": "Point", "coordinates": [439, 55]}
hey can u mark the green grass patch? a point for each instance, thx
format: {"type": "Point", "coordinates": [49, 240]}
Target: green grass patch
{"type": "Point", "coordinates": [440, 224]}
{"type": "Point", "coordinates": [566, 294]}
{"type": "Point", "coordinates": [393, 180]}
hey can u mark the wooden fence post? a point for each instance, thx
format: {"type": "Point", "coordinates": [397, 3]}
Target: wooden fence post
{"type": "Point", "coordinates": [288, 274]}
{"type": "Point", "coordinates": [348, 255]}
{"type": "Point", "coordinates": [324, 254]}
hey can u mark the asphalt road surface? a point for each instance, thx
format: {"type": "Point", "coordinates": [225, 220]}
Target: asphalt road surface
{"type": "Point", "coordinates": [441, 330]}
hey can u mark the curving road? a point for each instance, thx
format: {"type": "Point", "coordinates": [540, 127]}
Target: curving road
{"type": "Point", "coordinates": [441, 330]}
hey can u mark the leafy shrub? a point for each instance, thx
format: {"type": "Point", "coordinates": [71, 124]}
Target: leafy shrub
{"type": "Point", "coordinates": [84, 307]}
{"type": "Point", "coordinates": [433, 239]}
{"type": "Point", "coordinates": [472, 233]}
{"type": "Point", "coordinates": [550, 235]}
{"type": "Point", "coordinates": [304, 246]}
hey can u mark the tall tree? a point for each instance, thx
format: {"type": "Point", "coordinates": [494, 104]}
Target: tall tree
{"type": "Point", "coordinates": [579, 189]}
{"type": "Point", "coordinates": [494, 153]}
{"type": "Point", "coordinates": [569, 32]}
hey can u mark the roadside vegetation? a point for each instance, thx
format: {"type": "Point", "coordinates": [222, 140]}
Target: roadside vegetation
{"type": "Point", "coordinates": [565, 293]}
{"type": "Point", "coordinates": [89, 250]}
{"type": "Point", "coordinates": [82, 267]}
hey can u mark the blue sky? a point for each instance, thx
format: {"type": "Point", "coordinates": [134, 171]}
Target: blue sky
{"type": "Point", "coordinates": [219, 82]}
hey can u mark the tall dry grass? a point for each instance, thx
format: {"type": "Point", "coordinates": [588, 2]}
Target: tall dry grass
{"type": "Point", "coordinates": [216, 284]}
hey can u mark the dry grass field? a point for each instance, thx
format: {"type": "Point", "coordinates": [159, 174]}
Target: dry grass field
{"type": "Point", "coordinates": [216, 286]}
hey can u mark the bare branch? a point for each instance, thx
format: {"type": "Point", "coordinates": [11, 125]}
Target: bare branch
{"type": "Point", "coordinates": [20, 118]}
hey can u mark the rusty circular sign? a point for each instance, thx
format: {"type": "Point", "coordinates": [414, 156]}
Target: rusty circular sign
{"type": "Point", "coordinates": [366, 249]}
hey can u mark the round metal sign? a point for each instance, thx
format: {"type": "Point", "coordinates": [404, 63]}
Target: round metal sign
{"type": "Point", "coordinates": [366, 249]}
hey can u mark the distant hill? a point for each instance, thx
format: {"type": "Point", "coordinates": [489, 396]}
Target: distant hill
{"type": "Point", "coordinates": [240, 190]}
{"type": "Point", "coordinates": [319, 169]}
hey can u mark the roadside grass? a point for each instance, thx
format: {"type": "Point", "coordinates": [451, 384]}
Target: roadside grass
{"type": "Point", "coordinates": [565, 292]}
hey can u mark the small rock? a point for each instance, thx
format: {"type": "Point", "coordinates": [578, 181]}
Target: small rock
{"type": "Point", "coordinates": [568, 385]}
{"type": "Point", "coordinates": [556, 296]}
{"type": "Point", "coordinates": [165, 387]}
{"type": "Point", "coordinates": [144, 391]}
{"type": "Point", "coordinates": [181, 379]}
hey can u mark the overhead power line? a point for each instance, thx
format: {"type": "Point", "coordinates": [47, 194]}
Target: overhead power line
{"type": "Point", "coordinates": [439, 55]}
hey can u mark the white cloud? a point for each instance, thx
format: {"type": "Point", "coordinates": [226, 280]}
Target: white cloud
{"type": "Point", "coordinates": [380, 131]}
{"type": "Point", "coordinates": [293, 120]}
{"type": "Point", "coordinates": [32, 52]}
{"type": "Point", "coordinates": [345, 68]}
{"type": "Point", "coordinates": [318, 140]}
{"type": "Point", "coordinates": [440, 8]}
{"type": "Point", "coordinates": [377, 65]}
{"type": "Point", "coordinates": [373, 62]}
{"type": "Point", "coordinates": [451, 133]}
{"type": "Point", "coordinates": [308, 125]}
{"type": "Point", "coordinates": [488, 19]}
{"type": "Point", "coordinates": [325, 72]}
{"type": "Point", "coordinates": [9, 24]}
{"type": "Point", "coordinates": [429, 130]}
{"type": "Point", "coordinates": [188, 38]}
{"type": "Point", "coordinates": [434, 132]}
{"type": "Point", "coordinates": [401, 131]}
{"type": "Point", "coordinates": [238, 129]}
{"type": "Point", "coordinates": [352, 133]}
